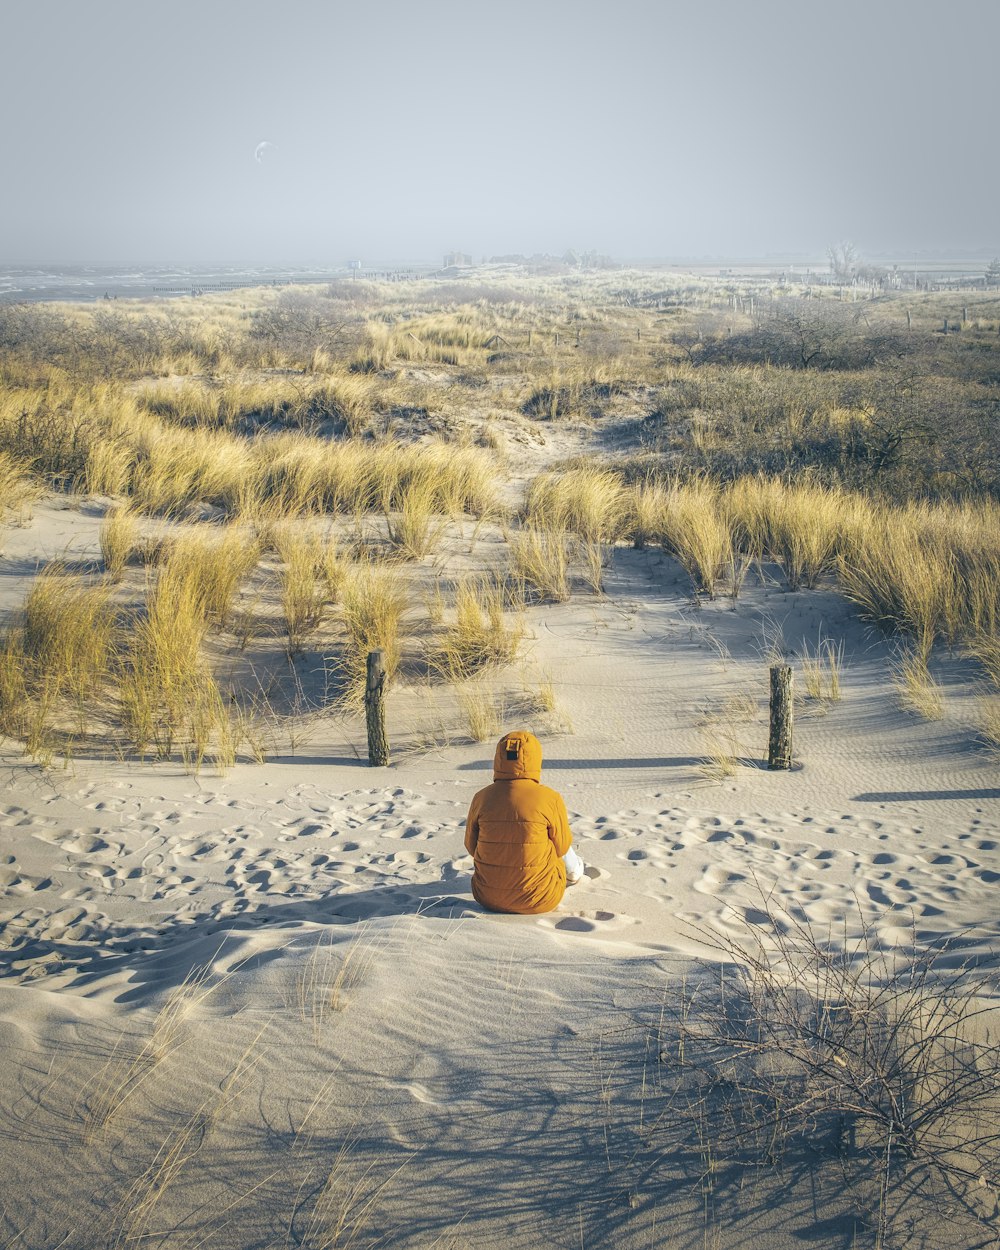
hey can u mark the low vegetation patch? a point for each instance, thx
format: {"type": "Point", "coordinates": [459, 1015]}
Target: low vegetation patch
{"type": "Point", "coordinates": [819, 1052]}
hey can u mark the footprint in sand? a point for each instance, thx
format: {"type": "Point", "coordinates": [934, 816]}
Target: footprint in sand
{"type": "Point", "coordinates": [715, 878]}
{"type": "Point", "coordinates": [87, 842]}
{"type": "Point", "coordinates": [585, 922]}
{"type": "Point", "coordinates": [194, 850]}
{"type": "Point", "coordinates": [14, 882]}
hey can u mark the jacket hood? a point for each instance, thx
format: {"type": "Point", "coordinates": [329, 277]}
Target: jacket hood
{"type": "Point", "coordinates": [518, 755]}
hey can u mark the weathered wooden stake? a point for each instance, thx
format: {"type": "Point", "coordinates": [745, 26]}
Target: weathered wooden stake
{"type": "Point", "coordinates": [378, 743]}
{"type": "Point", "coordinates": [779, 747]}
{"type": "Point", "coordinates": [909, 323]}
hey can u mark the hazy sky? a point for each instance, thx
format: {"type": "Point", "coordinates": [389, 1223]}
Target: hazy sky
{"type": "Point", "coordinates": [403, 128]}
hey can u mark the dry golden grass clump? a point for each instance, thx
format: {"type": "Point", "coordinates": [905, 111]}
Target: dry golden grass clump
{"type": "Point", "coordinates": [800, 527]}
{"type": "Point", "coordinates": [169, 697]}
{"type": "Point", "coordinates": [484, 708]}
{"type": "Point", "coordinates": [822, 669]}
{"type": "Point", "coordinates": [211, 569]}
{"type": "Point", "coordinates": [480, 635]}
{"type": "Point", "coordinates": [695, 529]}
{"type": "Point", "coordinates": [55, 661]}
{"type": "Point", "coordinates": [916, 688]}
{"type": "Point", "coordinates": [101, 439]}
{"type": "Point", "coordinates": [415, 528]}
{"type": "Point", "coordinates": [930, 570]}
{"type": "Point", "coordinates": [74, 670]}
{"type": "Point", "coordinates": [373, 601]}
{"type": "Point", "coordinates": [244, 404]}
{"type": "Point", "coordinates": [591, 502]}
{"type": "Point", "coordinates": [119, 539]}
{"type": "Point", "coordinates": [311, 576]}
{"type": "Point", "coordinates": [646, 505]}
{"type": "Point", "coordinates": [539, 562]}
{"type": "Point", "coordinates": [17, 488]}
{"type": "Point", "coordinates": [302, 476]}
{"type": "Point", "coordinates": [989, 720]}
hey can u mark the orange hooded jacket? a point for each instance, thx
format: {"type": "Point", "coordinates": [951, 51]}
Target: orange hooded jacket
{"type": "Point", "coordinates": [517, 832]}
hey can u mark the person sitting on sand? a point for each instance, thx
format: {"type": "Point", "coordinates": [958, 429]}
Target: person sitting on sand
{"type": "Point", "coordinates": [518, 834]}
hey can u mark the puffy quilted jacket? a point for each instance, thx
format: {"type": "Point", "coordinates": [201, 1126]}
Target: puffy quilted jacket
{"type": "Point", "coordinates": [517, 832]}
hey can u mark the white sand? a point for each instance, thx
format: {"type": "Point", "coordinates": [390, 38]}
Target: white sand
{"type": "Point", "coordinates": [451, 1077]}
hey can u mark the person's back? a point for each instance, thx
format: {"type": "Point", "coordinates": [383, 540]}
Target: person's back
{"type": "Point", "coordinates": [518, 832]}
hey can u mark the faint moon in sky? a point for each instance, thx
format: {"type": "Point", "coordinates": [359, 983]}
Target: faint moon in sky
{"type": "Point", "coordinates": [259, 150]}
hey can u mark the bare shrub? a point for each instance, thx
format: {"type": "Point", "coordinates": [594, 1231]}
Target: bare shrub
{"type": "Point", "coordinates": [797, 1047]}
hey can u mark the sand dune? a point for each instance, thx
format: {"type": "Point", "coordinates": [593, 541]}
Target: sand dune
{"type": "Point", "coordinates": [263, 1009]}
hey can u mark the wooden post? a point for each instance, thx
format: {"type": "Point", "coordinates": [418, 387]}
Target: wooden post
{"type": "Point", "coordinates": [909, 324]}
{"type": "Point", "coordinates": [378, 744]}
{"type": "Point", "coordinates": [529, 338]}
{"type": "Point", "coordinates": [779, 747]}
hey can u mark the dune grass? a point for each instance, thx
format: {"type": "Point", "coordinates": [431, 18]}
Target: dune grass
{"type": "Point", "coordinates": [364, 400]}
{"type": "Point", "coordinates": [373, 601]}
{"type": "Point", "coordinates": [212, 568]}
{"type": "Point", "coordinates": [539, 562]}
{"type": "Point", "coordinates": [55, 660]}
{"type": "Point", "coordinates": [119, 537]}
{"type": "Point", "coordinates": [480, 635]}
{"type": "Point", "coordinates": [311, 576]}
{"type": "Point", "coordinates": [916, 688]}
{"type": "Point", "coordinates": [694, 528]}
{"type": "Point", "coordinates": [484, 707]}
{"type": "Point", "coordinates": [415, 528]}
{"type": "Point", "coordinates": [102, 439]}
{"type": "Point", "coordinates": [989, 720]}
{"type": "Point", "coordinates": [17, 488]}
{"type": "Point", "coordinates": [928, 570]}
{"type": "Point", "coordinates": [169, 699]}
{"type": "Point", "coordinates": [590, 502]}
{"type": "Point", "coordinates": [822, 669]}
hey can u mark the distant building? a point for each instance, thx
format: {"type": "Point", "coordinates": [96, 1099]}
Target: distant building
{"type": "Point", "coordinates": [460, 259]}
